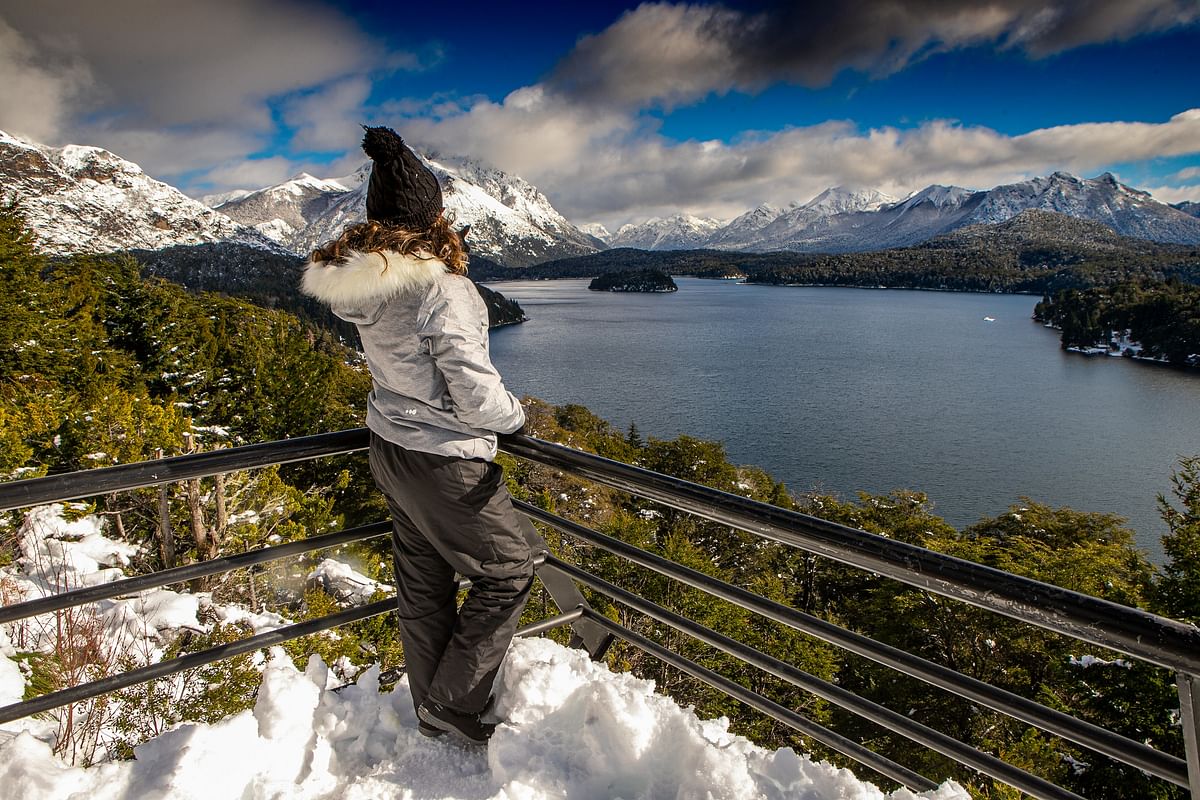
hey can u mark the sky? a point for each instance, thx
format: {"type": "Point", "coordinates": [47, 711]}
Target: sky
{"type": "Point", "coordinates": [620, 112]}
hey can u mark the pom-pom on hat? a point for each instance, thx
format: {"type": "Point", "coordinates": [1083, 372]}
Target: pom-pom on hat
{"type": "Point", "coordinates": [401, 191]}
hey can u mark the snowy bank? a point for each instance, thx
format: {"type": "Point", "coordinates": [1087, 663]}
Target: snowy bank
{"type": "Point", "coordinates": [573, 730]}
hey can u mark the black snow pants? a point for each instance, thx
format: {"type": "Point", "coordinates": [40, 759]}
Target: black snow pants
{"type": "Point", "coordinates": [453, 515]}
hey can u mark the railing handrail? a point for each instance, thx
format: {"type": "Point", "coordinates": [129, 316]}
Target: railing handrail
{"type": "Point", "coordinates": [140, 474]}
{"type": "Point", "coordinates": [1093, 737]}
{"type": "Point", "coordinates": [1171, 644]}
{"type": "Point", "coordinates": [1131, 631]}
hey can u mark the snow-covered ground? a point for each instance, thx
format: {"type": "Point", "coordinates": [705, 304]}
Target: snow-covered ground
{"type": "Point", "coordinates": [571, 728]}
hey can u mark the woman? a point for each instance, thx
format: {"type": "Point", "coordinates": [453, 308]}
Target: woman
{"type": "Point", "coordinates": [435, 408]}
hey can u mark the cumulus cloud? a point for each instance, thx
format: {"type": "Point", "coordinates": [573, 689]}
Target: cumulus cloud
{"type": "Point", "coordinates": [608, 167]}
{"type": "Point", "coordinates": [581, 136]}
{"type": "Point", "coordinates": [195, 88]}
{"type": "Point", "coordinates": [34, 92]}
{"type": "Point", "coordinates": [1175, 194]}
{"type": "Point", "coordinates": [327, 119]}
{"type": "Point", "coordinates": [670, 54]}
{"type": "Point", "coordinates": [182, 85]}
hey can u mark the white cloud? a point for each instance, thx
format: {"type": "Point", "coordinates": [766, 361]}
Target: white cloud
{"type": "Point", "coordinates": [35, 92]}
{"type": "Point", "coordinates": [195, 88]}
{"type": "Point", "coordinates": [183, 85]}
{"type": "Point", "coordinates": [1175, 194]}
{"type": "Point", "coordinates": [1188, 174]}
{"type": "Point", "coordinates": [329, 118]}
{"type": "Point", "coordinates": [251, 173]}
{"type": "Point", "coordinates": [607, 166]}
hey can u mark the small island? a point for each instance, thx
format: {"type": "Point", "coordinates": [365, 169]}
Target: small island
{"type": "Point", "coordinates": [646, 280]}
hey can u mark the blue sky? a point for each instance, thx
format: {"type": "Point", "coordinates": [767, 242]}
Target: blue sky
{"type": "Point", "coordinates": [621, 111]}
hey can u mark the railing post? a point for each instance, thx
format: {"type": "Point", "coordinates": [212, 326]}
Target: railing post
{"type": "Point", "coordinates": [566, 595]}
{"type": "Point", "coordinates": [1189, 718]}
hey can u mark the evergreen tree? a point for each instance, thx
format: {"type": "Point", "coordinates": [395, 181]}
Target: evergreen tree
{"type": "Point", "coordinates": [1177, 593]}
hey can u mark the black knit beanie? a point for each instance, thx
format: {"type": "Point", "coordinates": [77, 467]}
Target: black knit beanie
{"type": "Point", "coordinates": [402, 191]}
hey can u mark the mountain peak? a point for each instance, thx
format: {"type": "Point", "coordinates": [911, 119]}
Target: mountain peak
{"type": "Point", "coordinates": [85, 199]}
{"type": "Point", "coordinates": [839, 200]}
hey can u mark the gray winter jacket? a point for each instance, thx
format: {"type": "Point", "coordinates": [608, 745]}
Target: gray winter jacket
{"type": "Point", "coordinates": [425, 335]}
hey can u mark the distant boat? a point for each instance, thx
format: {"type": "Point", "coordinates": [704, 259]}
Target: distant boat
{"type": "Point", "coordinates": [989, 319]}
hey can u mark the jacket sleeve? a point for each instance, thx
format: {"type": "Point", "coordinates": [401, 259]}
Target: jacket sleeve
{"type": "Point", "coordinates": [454, 323]}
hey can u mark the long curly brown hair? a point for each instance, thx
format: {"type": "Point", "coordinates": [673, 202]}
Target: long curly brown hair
{"type": "Point", "coordinates": [439, 241]}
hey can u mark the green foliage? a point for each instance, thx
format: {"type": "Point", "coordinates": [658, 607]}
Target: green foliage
{"type": "Point", "coordinates": [1035, 252]}
{"type": "Point", "coordinates": [203, 694]}
{"type": "Point", "coordinates": [1177, 593]}
{"type": "Point", "coordinates": [96, 359]}
{"type": "Point", "coordinates": [1163, 316]}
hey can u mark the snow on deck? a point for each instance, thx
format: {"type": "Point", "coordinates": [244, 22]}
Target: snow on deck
{"type": "Point", "coordinates": [571, 728]}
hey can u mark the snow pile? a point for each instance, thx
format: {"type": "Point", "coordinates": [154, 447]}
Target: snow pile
{"type": "Point", "coordinates": [344, 584]}
{"type": "Point", "coordinates": [573, 729]}
{"type": "Point", "coordinates": [60, 554]}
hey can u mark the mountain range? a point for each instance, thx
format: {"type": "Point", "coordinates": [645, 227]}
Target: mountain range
{"type": "Point", "coordinates": [79, 199]}
{"type": "Point", "coordinates": [840, 220]}
{"type": "Point", "coordinates": [86, 199]}
{"type": "Point", "coordinates": [510, 220]}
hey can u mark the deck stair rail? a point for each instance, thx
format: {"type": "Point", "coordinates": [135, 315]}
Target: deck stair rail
{"type": "Point", "coordinates": [1133, 632]}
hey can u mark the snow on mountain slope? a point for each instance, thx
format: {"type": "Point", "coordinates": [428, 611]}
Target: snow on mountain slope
{"type": "Point", "coordinates": [1128, 211]}
{"type": "Point", "coordinates": [820, 221]}
{"type": "Point", "coordinates": [840, 221]}
{"type": "Point", "coordinates": [511, 221]}
{"type": "Point", "coordinates": [597, 231]}
{"type": "Point", "coordinates": [743, 231]}
{"type": "Point", "coordinates": [677, 232]}
{"type": "Point", "coordinates": [281, 211]}
{"type": "Point", "coordinates": [569, 726]}
{"type": "Point", "coordinates": [81, 199]}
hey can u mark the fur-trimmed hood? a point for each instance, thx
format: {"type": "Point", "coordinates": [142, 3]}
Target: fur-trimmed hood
{"type": "Point", "coordinates": [366, 279]}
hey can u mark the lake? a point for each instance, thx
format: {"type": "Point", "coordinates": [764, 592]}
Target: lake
{"type": "Point", "coordinates": [961, 396]}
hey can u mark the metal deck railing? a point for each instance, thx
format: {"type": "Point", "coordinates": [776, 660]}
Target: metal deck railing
{"type": "Point", "coordinates": [1130, 631]}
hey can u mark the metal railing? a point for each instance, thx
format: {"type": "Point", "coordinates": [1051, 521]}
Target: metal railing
{"type": "Point", "coordinates": [1131, 631]}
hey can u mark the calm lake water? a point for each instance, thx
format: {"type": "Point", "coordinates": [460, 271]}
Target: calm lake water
{"type": "Point", "coordinates": [848, 390]}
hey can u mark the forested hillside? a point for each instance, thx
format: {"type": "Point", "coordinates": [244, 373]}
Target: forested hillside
{"type": "Point", "coordinates": [100, 366]}
{"type": "Point", "coordinates": [1163, 317]}
{"type": "Point", "coordinates": [1034, 252]}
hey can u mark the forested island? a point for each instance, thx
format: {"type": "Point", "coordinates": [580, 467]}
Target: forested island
{"type": "Point", "coordinates": [1161, 318]}
{"type": "Point", "coordinates": [646, 280]}
{"type": "Point", "coordinates": [102, 365]}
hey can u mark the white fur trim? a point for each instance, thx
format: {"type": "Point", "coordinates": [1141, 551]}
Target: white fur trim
{"type": "Point", "coordinates": [369, 276]}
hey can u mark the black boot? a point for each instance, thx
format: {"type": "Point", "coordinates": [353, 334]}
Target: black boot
{"type": "Point", "coordinates": [465, 726]}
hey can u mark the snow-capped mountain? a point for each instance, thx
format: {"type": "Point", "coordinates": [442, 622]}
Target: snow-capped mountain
{"type": "Point", "coordinates": [1192, 209]}
{"type": "Point", "coordinates": [282, 212]}
{"type": "Point", "coordinates": [746, 229]}
{"type": "Point", "coordinates": [511, 221]}
{"type": "Point", "coordinates": [814, 222]}
{"type": "Point", "coordinates": [1128, 211]}
{"type": "Point", "coordinates": [597, 232]}
{"type": "Point", "coordinates": [678, 232]}
{"type": "Point", "coordinates": [80, 199]}
{"type": "Point", "coordinates": [842, 221]}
